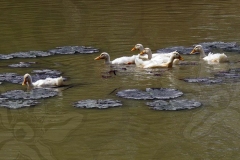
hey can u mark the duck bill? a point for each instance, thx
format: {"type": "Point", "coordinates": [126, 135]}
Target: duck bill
{"type": "Point", "coordinates": [133, 49]}
{"type": "Point", "coordinates": [181, 58]}
{"type": "Point", "coordinates": [24, 82]}
{"type": "Point", "coordinates": [97, 58]}
{"type": "Point", "coordinates": [193, 51]}
{"type": "Point", "coordinates": [141, 53]}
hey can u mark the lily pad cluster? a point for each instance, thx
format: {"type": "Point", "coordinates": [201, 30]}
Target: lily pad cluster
{"type": "Point", "coordinates": [162, 96]}
{"type": "Point", "coordinates": [207, 47]}
{"type": "Point", "coordinates": [15, 99]}
{"type": "Point", "coordinates": [231, 75]}
{"type": "Point", "coordinates": [174, 105]}
{"type": "Point", "coordinates": [100, 103]}
{"type": "Point", "coordinates": [55, 51]}
{"type": "Point", "coordinates": [150, 93]}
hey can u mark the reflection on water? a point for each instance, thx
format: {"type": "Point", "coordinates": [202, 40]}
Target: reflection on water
{"type": "Point", "coordinates": [56, 130]}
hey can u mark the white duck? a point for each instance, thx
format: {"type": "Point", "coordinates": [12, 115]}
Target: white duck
{"type": "Point", "coordinates": [157, 61]}
{"type": "Point", "coordinates": [211, 58]}
{"type": "Point", "coordinates": [48, 82]}
{"type": "Point", "coordinates": [140, 48]}
{"type": "Point", "coordinates": [121, 60]}
{"type": "Point", "coordinates": [153, 55]}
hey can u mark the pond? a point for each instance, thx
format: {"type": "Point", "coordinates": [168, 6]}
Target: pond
{"type": "Point", "coordinates": [55, 129]}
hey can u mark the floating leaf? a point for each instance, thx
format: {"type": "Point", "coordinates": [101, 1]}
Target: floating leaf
{"type": "Point", "coordinates": [100, 103]}
{"type": "Point", "coordinates": [150, 93]}
{"type": "Point", "coordinates": [174, 104]}
{"type": "Point", "coordinates": [36, 93]}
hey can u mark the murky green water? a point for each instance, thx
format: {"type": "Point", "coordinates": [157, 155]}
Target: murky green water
{"type": "Point", "coordinates": [56, 130]}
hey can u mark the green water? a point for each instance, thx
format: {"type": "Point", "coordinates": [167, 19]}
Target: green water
{"type": "Point", "coordinates": [56, 130]}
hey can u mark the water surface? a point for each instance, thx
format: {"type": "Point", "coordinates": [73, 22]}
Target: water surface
{"type": "Point", "coordinates": [56, 130]}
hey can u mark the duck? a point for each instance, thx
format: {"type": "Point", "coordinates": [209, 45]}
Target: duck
{"type": "Point", "coordinates": [211, 57]}
{"type": "Point", "coordinates": [48, 82]}
{"type": "Point", "coordinates": [120, 60]}
{"type": "Point", "coordinates": [153, 55]}
{"type": "Point", "coordinates": [157, 61]}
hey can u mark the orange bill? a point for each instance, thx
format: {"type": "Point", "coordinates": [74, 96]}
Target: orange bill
{"type": "Point", "coordinates": [193, 51]}
{"type": "Point", "coordinates": [97, 58]}
{"type": "Point", "coordinates": [181, 58]}
{"type": "Point", "coordinates": [143, 52]}
{"type": "Point", "coordinates": [133, 49]}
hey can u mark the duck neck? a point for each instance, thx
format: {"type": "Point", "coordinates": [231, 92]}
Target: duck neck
{"type": "Point", "coordinates": [170, 62]}
{"type": "Point", "coordinates": [29, 82]}
{"type": "Point", "coordinates": [141, 49]}
{"type": "Point", "coordinates": [202, 53]}
{"type": "Point", "coordinates": [107, 60]}
{"type": "Point", "coordinates": [149, 55]}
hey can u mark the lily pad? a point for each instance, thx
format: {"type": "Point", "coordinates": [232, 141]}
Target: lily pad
{"type": "Point", "coordinates": [179, 49]}
{"type": "Point", "coordinates": [207, 47]}
{"type": "Point", "coordinates": [203, 80]}
{"type": "Point", "coordinates": [48, 72]}
{"type": "Point", "coordinates": [21, 65]}
{"type": "Point", "coordinates": [57, 50]}
{"type": "Point", "coordinates": [225, 46]}
{"type": "Point", "coordinates": [150, 93]}
{"type": "Point", "coordinates": [16, 104]}
{"type": "Point", "coordinates": [11, 77]}
{"type": "Point", "coordinates": [231, 75]}
{"type": "Point", "coordinates": [23, 55]}
{"type": "Point", "coordinates": [73, 50]}
{"type": "Point", "coordinates": [100, 103]}
{"type": "Point", "coordinates": [36, 93]}
{"type": "Point", "coordinates": [174, 105]}
{"type": "Point", "coordinates": [5, 56]}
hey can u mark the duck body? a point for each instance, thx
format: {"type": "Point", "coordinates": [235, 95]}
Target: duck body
{"type": "Point", "coordinates": [157, 61]}
{"type": "Point", "coordinates": [48, 82]}
{"type": "Point", "coordinates": [121, 60]}
{"type": "Point", "coordinates": [211, 57]}
{"type": "Point", "coordinates": [153, 55]}
{"type": "Point", "coordinates": [125, 60]}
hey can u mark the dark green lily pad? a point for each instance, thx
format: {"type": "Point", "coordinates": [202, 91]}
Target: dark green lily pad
{"type": "Point", "coordinates": [21, 65]}
{"type": "Point", "coordinates": [16, 104]}
{"type": "Point", "coordinates": [23, 55]}
{"type": "Point", "coordinates": [203, 80]}
{"type": "Point", "coordinates": [36, 93]}
{"type": "Point", "coordinates": [47, 72]}
{"type": "Point", "coordinates": [225, 46]}
{"type": "Point", "coordinates": [100, 103]}
{"type": "Point", "coordinates": [11, 77]}
{"type": "Point", "coordinates": [179, 49]}
{"type": "Point", "coordinates": [150, 93]}
{"type": "Point", "coordinates": [57, 50]}
{"type": "Point", "coordinates": [73, 50]}
{"type": "Point", "coordinates": [3, 56]}
{"type": "Point", "coordinates": [207, 47]}
{"type": "Point", "coordinates": [231, 75]}
{"type": "Point", "coordinates": [174, 105]}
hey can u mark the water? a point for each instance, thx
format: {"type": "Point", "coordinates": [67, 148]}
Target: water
{"type": "Point", "coordinates": [56, 130]}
